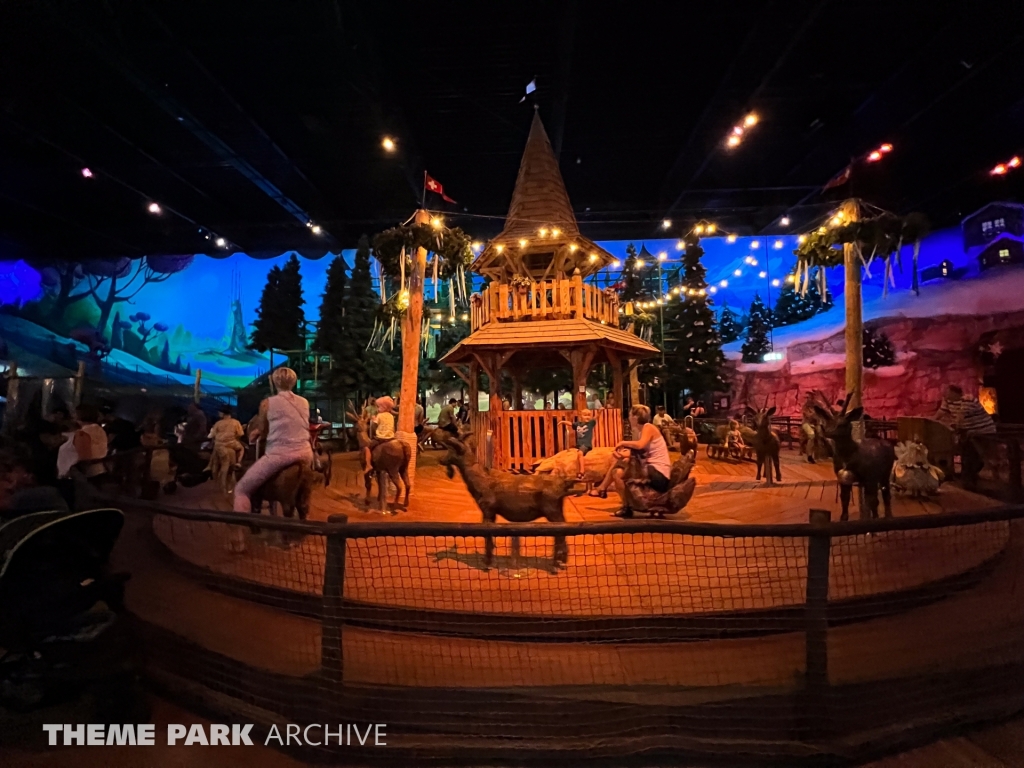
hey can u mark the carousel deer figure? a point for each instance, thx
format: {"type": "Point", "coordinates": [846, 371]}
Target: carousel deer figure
{"type": "Point", "coordinates": [765, 443]}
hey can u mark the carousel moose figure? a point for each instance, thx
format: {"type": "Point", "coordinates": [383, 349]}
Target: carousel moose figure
{"type": "Point", "coordinates": [867, 463]}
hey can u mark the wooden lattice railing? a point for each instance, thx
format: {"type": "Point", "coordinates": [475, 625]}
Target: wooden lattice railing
{"type": "Point", "coordinates": [544, 300]}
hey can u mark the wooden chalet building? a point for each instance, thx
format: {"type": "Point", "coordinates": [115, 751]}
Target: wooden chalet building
{"type": "Point", "coordinates": [538, 311]}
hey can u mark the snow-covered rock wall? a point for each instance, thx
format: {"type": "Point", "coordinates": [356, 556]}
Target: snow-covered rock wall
{"type": "Point", "coordinates": [936, 336]}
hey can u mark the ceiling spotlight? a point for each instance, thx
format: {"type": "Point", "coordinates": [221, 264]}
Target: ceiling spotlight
{"type": "Point", "coordinates": [388, 143]}
{"type": "Point", "coordinates": [220, 242]}
{"type": "Point", "coordinates": [309, 223]}
{"type": "Point", "coordinates": [778, 244]}
{"type": "Point", "coordinates": [784, 221]}
{"type": "Point", "coordinates": [662, 256]}
{"type": "Point", "coordinates": [1014, 162]}
{"type": "Point", "coordinates": [86, 173]}
{"type": "Point", "coordinates": [756, 244]}
{"type": "Point", "coordinates": [154, 208]}
{"type": "Point", "coordinates": [724, 283]}
{"type": "Point", "coordinates": [733, 141]}
{"type": "Point", "coordinates": [737, 130]}
{"type": "Point", "coordinates": [874, 156]}
{"type": "Point", "coordinates": [775, 282]}
{"type": "Point", "coordinates": [750, 120]}
{"type": "Point", "coordinates": [731, 239]}
{"type": "Point", "coordinates": [762, 275]}
{"type": "Point", "coordinates": [666, 223]}
{"type": "Point", "coordinates": [885, 148]}
{"type": "Point", "coordinates": [315, 229]}
{"type": "Point", "coordinates": [999, 170]}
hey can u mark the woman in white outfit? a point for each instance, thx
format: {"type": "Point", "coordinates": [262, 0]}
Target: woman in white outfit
{"type": "Point", "coordinates": [286, 416]}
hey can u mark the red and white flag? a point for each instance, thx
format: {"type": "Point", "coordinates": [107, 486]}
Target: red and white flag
{"type": "Point", "coordinates": [839, 179]}
{"type": "Point", "coordinates": [433, 185]}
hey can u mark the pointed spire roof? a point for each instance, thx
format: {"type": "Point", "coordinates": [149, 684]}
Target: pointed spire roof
{"type": "Point", "coordinates": [540, 226]}
{"type": "Point", "coordinates": [539, 198]}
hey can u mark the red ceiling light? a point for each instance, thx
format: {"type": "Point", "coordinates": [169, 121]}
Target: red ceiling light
{"type": "Point", "coordinates": [874, 156]}
{"type": "Point", "coordinates": [1003, 168]}
{"type": "Point", "coordinates": [885, 148]}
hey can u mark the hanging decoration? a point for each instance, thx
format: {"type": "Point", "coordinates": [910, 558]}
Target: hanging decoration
{"type": "Point", "coordinates": [452, 249]}
{"type": "Point", "coordinates": [882, 236]}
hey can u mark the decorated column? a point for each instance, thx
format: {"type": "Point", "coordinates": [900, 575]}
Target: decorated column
{"type": "Point", "coordinates": [412, 322]}
{"type": "Point", "coordinates": [854, 310]}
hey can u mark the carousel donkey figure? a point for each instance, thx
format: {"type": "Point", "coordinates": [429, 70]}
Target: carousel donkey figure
{"type": "Point", "coordinates": [765, 443]}
{"type": "Point", "coordinates": [516, 498]}
{"type": "Point", "coordinates": [867, 463]}
{"type": "Point", "coordinates": [389, 460]}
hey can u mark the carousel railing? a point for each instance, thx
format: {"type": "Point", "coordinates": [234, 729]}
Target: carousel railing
{"type": "Point", "coordinates": [543, 300]}
{"type": "Point", "coordinates": [523, 438]}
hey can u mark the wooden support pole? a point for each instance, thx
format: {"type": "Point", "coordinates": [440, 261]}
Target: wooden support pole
{"type": "Point", "coordinates": [332, 659]}
{"type": "Point", "coordinates": [816, 620]}
{"type": "Point", "coordinates": [474, 387]}
{"type": "Point", "coordinates": [854, 312]}
{"type": "Point", "coordinates": [197, 391]}
{"type": "Point", "coordinates": [412, 323]}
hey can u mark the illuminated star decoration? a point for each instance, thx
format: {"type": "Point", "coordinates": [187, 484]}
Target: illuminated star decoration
{"type": "Point", "coordinates": [995, 349]}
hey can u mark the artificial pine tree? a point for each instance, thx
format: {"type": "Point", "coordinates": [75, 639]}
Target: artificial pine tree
{"type": "Point", "coordinates": [792, 308]}
{"type": "Point", "coordinates": [693, 348]}
{"type": "Point", "coordinates": [631, 282]}
{"type": "Point", "coordinates": [878, 349]}
{"type": "Point", "coordinates": [280, 321]}
{"type": "Point", "coordinates": [359, 370]}
{"type": "Point", "coordinates": [759, 325]}
{"type": "Point", "coordinates": [331, 328]}
{"type": "Point", "coordinates": [728, 326]}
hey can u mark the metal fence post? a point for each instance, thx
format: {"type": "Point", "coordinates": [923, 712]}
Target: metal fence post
{"type": "Point", "coordinates": [332, 660]}
{"type": "Point", "coordinates": [816, 619]}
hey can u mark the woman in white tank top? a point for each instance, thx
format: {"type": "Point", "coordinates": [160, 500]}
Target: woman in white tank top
{"type": "Point", "coordinates": [654, 453]}
{"type": "Point", "coordinates": [287, 417]}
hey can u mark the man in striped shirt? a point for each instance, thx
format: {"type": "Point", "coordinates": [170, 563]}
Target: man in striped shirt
{"type": "Point", "coordinates": [966, 417]}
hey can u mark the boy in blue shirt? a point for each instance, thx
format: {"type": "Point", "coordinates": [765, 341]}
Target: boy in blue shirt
{"type": "Point", "coordinates": [584, 429]}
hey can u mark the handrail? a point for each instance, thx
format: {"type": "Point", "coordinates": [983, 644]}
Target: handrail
{"type": "Point", "coordinates": [553, 299]}
{"type": "Point", "coordinates": [784, 530]}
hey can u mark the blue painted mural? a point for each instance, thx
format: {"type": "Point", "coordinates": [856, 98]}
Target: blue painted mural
{"type": "Point", "coordinates": [162, 318]}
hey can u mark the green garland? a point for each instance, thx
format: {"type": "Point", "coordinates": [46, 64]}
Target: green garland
{"type": "Point", "coordinates": [879, 237]}
{"type": "Point", "coordinates": [452, 246]}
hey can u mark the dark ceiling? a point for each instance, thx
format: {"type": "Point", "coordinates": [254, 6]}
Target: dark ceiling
{"type": "Point", "coordinates": [245, 120]}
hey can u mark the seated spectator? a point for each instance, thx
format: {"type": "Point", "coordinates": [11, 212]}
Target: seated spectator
{"type": "Point", "coordinates": [20, 492]}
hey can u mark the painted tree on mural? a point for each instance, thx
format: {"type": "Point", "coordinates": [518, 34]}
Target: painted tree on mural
{"type": "Point", "coordinates": [693, 348]}
{"type": "Point", "coordinates": [280, 321]}
{"type": "Point", "coordinates": [113, 281]}
{"type": "Point", "coordinates": [759, 325]}
{"type": "Point", "coordinates": [332, 326]}
{"type": "Point", "coordinates": [728, 325]}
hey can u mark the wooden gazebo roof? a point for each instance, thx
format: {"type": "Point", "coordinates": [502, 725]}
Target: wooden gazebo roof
{"type": "Point", "coordinates": [541, 238]}
{"type": "Point", "coordinates": [550, 335]}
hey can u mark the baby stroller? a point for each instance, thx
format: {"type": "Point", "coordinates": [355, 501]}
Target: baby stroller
{"type": "Point", "coordinates": [60, 606]}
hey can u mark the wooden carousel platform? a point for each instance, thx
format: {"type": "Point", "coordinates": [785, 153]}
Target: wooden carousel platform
{"type": "Point", "coordinates": [610, 576]}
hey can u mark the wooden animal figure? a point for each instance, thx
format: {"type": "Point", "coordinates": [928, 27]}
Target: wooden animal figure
{"type": "Point", "coordinates": [566, 463]}
{"type": "Point", "coordinates": [766, 445]}
{"type": "Point", "coordinates": [516, 498]}
{"type": "Point", "coordinates": [222, 467]}
{"type": "Point", "coordinates": [868, 463]}
{"type": "Point", "coordinates": [292, 488]}
{"type": "Point", "coordinates": [642, 498]}
{"type": "Point", "coordinates": [390, 460]}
